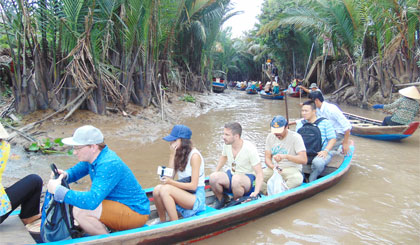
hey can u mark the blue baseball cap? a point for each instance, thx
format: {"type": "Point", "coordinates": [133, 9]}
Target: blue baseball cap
{"type": "Point", "coordinates": [179, 132]}
{"type": "Point", "coordinates": [278, 124]}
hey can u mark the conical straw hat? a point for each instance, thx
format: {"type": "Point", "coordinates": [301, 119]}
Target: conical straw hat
{"type": "Point", "coordinates": [410, 92]}
{"type": "Point", "coordinates": [3, 133]}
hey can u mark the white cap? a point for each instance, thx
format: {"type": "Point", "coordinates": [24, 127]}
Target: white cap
{"type": "Point", "coordinates": [85, 135]}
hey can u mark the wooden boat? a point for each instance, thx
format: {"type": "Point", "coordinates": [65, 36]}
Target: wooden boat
{"type": "Point", "coordinates": [271, 96]}
{"type": "Point", "coordinates": [218, 87]}
{"type": "Point", "coordinates": [219, 81]}
{"type": "Point", "coordinates": [251, 91]}
{"type": "Point", "coordinates": [373, 129]}
{"type": "Point", "coordinates": [296, 94]}
{"type": "Point", "coordinates": [212, 221]}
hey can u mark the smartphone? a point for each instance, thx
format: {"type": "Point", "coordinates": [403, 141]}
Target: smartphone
{"type": "Point", "coordinates": [165, 171]}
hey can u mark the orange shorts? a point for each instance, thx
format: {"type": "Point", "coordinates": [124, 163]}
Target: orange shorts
{"type": "Point", "coordinates": [120, 217]}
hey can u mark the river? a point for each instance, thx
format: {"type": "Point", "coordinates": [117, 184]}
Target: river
{"type": "Point", "coordinates": [377, 202]}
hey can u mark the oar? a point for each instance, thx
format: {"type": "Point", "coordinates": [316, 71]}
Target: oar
{"type": "Point", "coordinates": [287, 111]}
{"type": "Point", "coordinates": [300, 96]}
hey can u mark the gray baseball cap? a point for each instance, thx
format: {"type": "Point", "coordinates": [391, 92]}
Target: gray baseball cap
{"type": "Point", "coordinates": [313, 85]}
{"type": "Point", "coordinates": [85, 135]}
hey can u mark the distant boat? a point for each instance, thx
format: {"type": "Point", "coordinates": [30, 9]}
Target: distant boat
{"type": "Point", "coordinates": [296, 94]}
{"type": "Point", "coordinates": [271, 96]}
{"type": "Point", "coordinates": [218, 87]}
{"type": "Point", "coordinates": [251, 91]}
{"type": "Point", "coordinates": [232, 84]}
{"type": "Point", "coordinates": [219, 81]}
{"type": "Point", "coordinates": [373, 129]}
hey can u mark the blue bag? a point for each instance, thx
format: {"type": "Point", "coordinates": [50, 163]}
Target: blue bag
{"type": "Point", "coordinates": [57, 221]}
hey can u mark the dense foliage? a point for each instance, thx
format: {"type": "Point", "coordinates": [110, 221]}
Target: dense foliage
{"type": "Point", "coordinates": [90, 52]}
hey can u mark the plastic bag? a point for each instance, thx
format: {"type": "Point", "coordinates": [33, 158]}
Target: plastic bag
{"type": "Point", "coordinates": [276, 184]}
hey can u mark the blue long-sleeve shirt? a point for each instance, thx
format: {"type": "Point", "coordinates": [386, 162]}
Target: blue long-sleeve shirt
{"type": "Point", "coordinates": [111, 180]}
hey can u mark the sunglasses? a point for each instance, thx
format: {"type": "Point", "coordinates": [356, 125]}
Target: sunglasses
{"type": "Point", "coordinates": [77, 148]}
{"type": "Point", "coordinates": [233, 166]}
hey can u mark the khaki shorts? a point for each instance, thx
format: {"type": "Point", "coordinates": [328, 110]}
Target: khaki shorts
{"type": "Point", "coordinates": [119, 217]}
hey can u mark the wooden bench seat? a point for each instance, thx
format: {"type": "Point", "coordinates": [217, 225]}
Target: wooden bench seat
{"type": "Point", "coordinates": [331, 167]}
{"type": "Point", "coordinates": [13, 231]}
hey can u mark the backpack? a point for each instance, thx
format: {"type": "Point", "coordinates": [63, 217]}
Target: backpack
{"type": "Point", "coordinates": [311, 138]}
{"type": "Point", "coordinates": [57, 221]}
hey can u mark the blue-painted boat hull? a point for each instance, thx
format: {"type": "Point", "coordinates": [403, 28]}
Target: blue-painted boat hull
{"type": "Point", "coordinates": [212, 220]}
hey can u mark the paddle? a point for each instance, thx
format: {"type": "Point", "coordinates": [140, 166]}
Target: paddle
{"type": "Point", "coordinates": [287, 111]}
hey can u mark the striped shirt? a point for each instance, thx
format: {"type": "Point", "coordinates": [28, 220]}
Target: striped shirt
{"type": "Point", "coordinates": [327, 130]}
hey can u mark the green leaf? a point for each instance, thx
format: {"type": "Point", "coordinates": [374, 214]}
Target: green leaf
{"type": "Point", "coordinates": [33, 147]}
{"type": "Point", "coordinates": [59, 141]}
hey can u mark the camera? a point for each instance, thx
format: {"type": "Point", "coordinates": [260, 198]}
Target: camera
{"type": "Point", "coordinates": [165, 171]}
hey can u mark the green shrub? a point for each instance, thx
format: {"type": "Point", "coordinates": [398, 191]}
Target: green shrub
{"type": "Point", "coordinates": [188, 98]}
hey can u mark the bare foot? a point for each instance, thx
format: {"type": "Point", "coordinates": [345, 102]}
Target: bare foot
{"type": "Point", "coordinates": [31, 219]}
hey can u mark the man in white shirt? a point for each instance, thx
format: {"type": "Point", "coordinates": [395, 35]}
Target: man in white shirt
{"type": "Point", "coordinates": [245, 175]}
{"type": "Point", "coordinates": [340, 123]}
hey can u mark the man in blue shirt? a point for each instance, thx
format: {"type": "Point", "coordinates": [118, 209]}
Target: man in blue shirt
{"type": "Point", "coordinates": [328, 138]}
{"type": "Point", "coordinates": [115, 200]}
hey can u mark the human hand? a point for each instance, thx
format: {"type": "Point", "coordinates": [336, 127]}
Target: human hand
{"type": "Point", "coordinates": [280, 157]}
{"type": "Point", "coordinates": [53, 183]}
{"type": "Point", "coordinates": [346, 149]}
{"type": "Point", "coordinates": [378, 106]}
{"type": "Point", "coordinates": [165, 180]}
{"type": "Point", "coordinates": [323, 154]}
{"type": "Point", "coordinates": [173, 146]}
{"type": "Point", "coordinates": [253, 194]}
{"type": "Point", "coordinates": [60, 172]}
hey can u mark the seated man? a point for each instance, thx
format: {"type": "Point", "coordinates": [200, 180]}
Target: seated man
{"type": "Point", "coordinates": [336, 117]}
{"type": "Point", "coordinates": [285, 151]}
{"type": "Point", "coordinates": [267, 88]}
{"type": "Point", "coordinates": [115, 199]}
{"type": "Point", "coordinates": [245, 174]}
{"type": "Point", "coordinates": [312, 88]}
{"type": "Point", "coordinates": [318, 146]}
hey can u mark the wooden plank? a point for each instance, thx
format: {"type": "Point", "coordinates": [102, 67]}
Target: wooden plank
{"type": "Point", "coordinates": [331, 167]}
{"type": "Point", "coordinates": [12, 231]}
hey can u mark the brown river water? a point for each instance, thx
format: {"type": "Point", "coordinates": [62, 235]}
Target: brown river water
{"type": "Point", "coordinates": [377, 202]}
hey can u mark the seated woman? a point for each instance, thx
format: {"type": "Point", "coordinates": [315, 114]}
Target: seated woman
{"type": "Point", "coordinates": [404, 109]}
{"type": "Point", "coordinates": [187, 196]}
{"type": "Point", "coordinates": [25, 193]}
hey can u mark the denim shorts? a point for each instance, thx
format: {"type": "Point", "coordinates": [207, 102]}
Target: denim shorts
{"type": "Point", "coordinates": [251, 178]}
{"type": "Point", "coordinates": [199, 204]}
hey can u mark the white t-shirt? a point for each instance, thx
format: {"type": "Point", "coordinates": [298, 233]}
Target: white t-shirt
{"type": "Point", "coordinates": [245, 160]}
{"type": "Point", "coordinates": [291, 145]}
